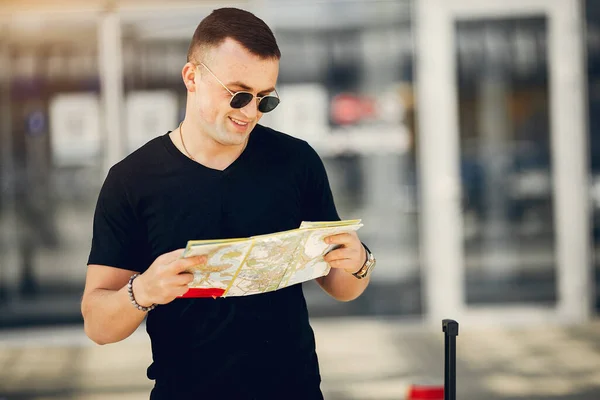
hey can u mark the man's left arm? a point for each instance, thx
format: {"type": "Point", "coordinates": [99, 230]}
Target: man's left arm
{"type": "Point", "coordinates": [344, 261]}
{"type": "Point", "coordinates": [318, 205]}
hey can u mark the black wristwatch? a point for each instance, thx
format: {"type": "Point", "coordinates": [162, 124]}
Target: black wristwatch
{"type": "Point", "coordinates": [367, 267]}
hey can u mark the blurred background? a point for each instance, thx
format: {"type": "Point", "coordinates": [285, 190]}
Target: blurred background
{"type": "Point", "coordinates": [465, 134]}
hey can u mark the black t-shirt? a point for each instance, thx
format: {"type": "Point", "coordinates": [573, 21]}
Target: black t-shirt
{"type": "Point", "coordinates": [157, 199]}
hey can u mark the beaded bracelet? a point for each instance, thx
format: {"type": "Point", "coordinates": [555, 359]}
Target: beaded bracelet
{"type": "Point", "coordinates": [132, 298]}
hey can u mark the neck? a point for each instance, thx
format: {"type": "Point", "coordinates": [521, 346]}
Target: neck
{"type": "Point", "coordinates": [204, 149]}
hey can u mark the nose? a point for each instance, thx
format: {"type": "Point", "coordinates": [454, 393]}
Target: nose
{"type": "Point", "coordinates": [250, 110]}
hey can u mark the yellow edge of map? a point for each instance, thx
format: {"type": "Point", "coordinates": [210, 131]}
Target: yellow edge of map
{"type": "Point", "coordinates": [314, 225]}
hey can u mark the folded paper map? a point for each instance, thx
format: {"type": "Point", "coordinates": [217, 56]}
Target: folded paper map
{"type": "Point", "coordinates": [259, 264]}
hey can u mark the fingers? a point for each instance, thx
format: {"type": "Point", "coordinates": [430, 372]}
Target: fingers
{"type": "Point", "coordinates": [171, 256]}
{"type": "Point", "coordinates": [167, 278]}
{"type": "Point", "coordinates": [341, 238]}
{"type": "Point", "coordinates": [175, 286]}
{"type": "Point", "coordinates": [342, 253]}
{"type": "Point", "coordinates": [342, 263]}
{"type": "Point", "coordinates": [185, 264]}
{"type": "Point", "coordinates": [183, 290]}
{"type": "Point", "coordinates": [183, 279]}
{"type": "Point", "coordinates": [343, 258]}
{"type": "Point", "coordinates": [174, 257]}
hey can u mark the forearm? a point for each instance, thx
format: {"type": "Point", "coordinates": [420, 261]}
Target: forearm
{"type": "Point", "coordinates": [342, 285]}
{"type": "Point", "coordinates": [109, 316]}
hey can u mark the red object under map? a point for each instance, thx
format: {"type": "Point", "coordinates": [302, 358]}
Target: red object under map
{"type": "Point", "coordinates": [195, 292]}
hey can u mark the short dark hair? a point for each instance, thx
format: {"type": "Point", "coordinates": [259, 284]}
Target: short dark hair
{"type": "Point", "coordinates": [239, 25]}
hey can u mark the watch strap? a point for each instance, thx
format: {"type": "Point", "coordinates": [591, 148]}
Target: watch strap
{"type": "Point", "coordinates": [361, 273]}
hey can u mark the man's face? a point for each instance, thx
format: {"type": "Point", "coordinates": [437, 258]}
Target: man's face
{"type": "Point", "coordinates": [238, 70]}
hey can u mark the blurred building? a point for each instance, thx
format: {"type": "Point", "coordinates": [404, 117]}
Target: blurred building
{"type": "Point", "coordinates": [464, 133]}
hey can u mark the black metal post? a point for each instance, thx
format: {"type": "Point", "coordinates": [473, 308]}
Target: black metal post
{"type": "Point", "coordinates": [450, 328]}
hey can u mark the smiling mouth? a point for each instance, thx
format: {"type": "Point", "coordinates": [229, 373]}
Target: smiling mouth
{"type": "Point", "coordinates": [238, 122]}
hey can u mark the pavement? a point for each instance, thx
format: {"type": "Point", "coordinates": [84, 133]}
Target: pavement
{"type": "Point", "coordinates": [361, 359]}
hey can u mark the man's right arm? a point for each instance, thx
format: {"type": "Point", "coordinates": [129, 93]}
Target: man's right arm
{"type": "Point", "coordinates": [107, 312]}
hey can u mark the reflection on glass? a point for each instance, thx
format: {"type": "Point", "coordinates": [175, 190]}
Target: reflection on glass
{"type": "Point", "coordinates": [342, 76]}
{"type": "Point", "coordinates": [505, 161]}
{"type": "Point", "coordinates": [593, 67]}
{"type": "Point", "coordinates": [353, 84]}
{"type": "Point", "coordinates": [51, 173]}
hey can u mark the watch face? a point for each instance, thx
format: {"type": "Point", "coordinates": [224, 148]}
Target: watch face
{"type": "Point", "coordinates": [371, 266]}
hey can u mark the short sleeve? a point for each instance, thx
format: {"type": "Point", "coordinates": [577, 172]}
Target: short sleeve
{"type": "Point", "coordinates": [318, 203]}
{"type": "Point", "coordinates": [119, 238]}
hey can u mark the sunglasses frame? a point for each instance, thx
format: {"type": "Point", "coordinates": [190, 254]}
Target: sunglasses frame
{"type": "Point", "coordinates": [233, 94]}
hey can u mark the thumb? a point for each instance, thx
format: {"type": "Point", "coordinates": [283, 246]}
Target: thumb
{"type": "Point", "coordinates": [184, 264]}
{"type": "Point", "coordinates": [170, 257]}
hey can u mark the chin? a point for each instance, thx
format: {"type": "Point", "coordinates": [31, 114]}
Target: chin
{"type": "Point", "coordinates": [233, 139]}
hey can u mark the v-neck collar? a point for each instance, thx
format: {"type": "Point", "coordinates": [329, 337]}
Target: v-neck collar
{"type": "Point", "coordinates": [185, 160]}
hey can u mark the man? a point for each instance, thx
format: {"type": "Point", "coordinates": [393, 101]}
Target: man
{"type": "Point", "coordinates": [219, 175]}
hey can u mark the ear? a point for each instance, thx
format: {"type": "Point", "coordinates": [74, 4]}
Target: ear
{"type": "Point", "coordinates": [188, 73]}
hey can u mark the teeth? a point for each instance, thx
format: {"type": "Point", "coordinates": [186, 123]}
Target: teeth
{"type": "Point", "coordinates": [239, 122]}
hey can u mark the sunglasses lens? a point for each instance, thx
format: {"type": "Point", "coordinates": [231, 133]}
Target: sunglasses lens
{"type": "Point", "coordinates": [268, 103]}
{"type": "Point", "coordinates": [241, 99]}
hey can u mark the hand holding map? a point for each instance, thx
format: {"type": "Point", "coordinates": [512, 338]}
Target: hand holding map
{"type": "Point", "coordinates": [259, 264]}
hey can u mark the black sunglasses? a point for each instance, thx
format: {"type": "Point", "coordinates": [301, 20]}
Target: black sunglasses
{"type": "Point", "coordinates": [242, 99]}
